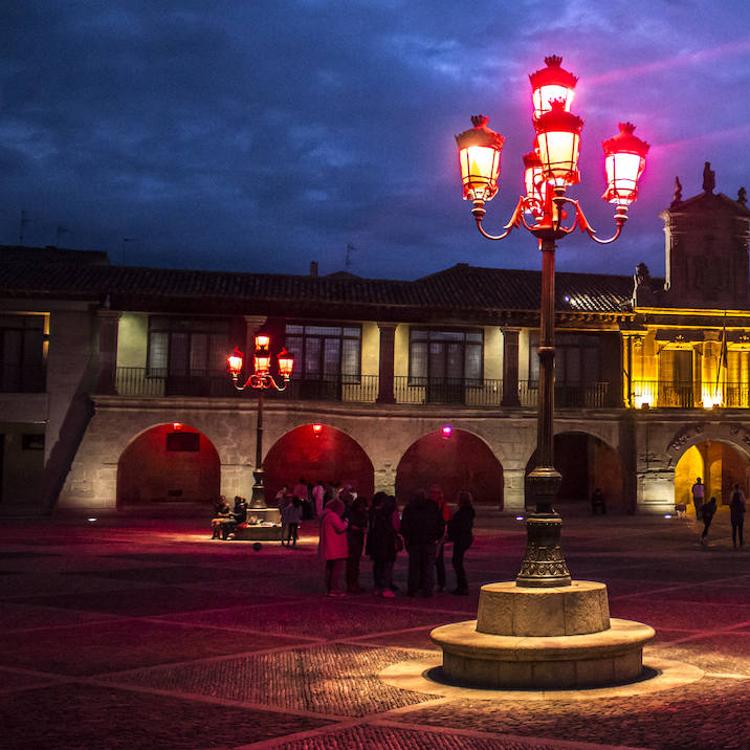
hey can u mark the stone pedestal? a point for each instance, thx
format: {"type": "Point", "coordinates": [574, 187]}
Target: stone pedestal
{"type": "Point", "coordinates": [535, 638]}
{"type": "Point", "coordinates": [259, 532]}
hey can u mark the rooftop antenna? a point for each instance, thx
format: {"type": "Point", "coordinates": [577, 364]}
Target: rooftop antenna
{"type": "Point", "coordinates": [348, 258]}
{"type": "Point", "coordinates": [25, 221]}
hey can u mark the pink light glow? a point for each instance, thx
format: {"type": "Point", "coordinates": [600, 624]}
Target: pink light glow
{"type": "Point", "coordinates": [446, 431]}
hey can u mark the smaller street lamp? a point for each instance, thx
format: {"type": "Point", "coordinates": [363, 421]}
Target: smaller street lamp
{"type": "Point", "coordinates": [260, 380]}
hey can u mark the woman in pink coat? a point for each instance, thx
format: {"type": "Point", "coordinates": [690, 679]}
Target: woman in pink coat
{"type": "Point", "coordinates": [333, 547]}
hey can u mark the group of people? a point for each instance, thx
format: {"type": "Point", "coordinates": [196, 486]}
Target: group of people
{"type": "Point", "coordinates": [705, 511]}
{"type": "Point", "coordinates": [349, 528]}
{"type": "Point", "coordinates": [225, 519]}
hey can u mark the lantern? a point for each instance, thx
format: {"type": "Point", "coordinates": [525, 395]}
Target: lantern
{"type": "Point", "coordinates": [286, 364]}
{"type": "Point", "coordinates": [551, 83]}
{"type": "Point", "coordinates": [536, 186]}
{"type": "Point", "coordinates": [479, 159]}
{"type": "Point", "coordinates": [262, 355]}
{"type": "Point", "coordinates": [624, 161]}
{"type": "Point", "coordinates": [262, 341]}
{"type": "Point", "coordinates": [234, 362]}
{"type": "Point", "coordinates": [559, 139]}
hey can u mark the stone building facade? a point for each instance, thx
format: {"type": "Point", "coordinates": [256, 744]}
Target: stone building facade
{"type": "Point", "coordinates": [114, 395]}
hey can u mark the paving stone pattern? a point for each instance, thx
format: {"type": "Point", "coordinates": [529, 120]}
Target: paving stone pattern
{"type": "Point", "coordinates": [147, 635]}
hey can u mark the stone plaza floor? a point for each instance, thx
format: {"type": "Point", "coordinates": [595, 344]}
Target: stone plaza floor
{"type": "Point", "coordinates": [148, 635]}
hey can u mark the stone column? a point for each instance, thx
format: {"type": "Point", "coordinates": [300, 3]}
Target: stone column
{"type": "Point", "coordinates": [109, 321]}
{"type": "Point", "coordinates": [386, 363]}
{"type": "Point", "coordinates": [514, 500]}
{"type": "Point", "coordinates": [510, 367]}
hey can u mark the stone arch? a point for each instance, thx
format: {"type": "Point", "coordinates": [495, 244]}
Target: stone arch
{"type": "Point", "coordinates": [734, 434]}
{"type": "Point", "coordinates": [719, 463]}
{"type": "Point", "coordinates": [329, 454]}
{"type": "Point", "coordinates": [463, 461]}
{"type": "Point", "coordinates": [168, 463]}
{"type": "Point", "coordinates": [586, 462]}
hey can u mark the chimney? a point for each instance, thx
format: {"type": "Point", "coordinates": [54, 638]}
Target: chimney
{"type": "Point", "coordinates": [314, 269]}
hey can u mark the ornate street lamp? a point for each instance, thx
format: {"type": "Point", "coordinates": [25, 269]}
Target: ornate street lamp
{"type": "Point", "coordinates": [260, 380]}
{"type": "Point", "coordinates": [549, 170]}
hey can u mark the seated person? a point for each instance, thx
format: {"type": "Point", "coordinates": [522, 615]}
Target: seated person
{"type": "Point", "coordinates": [222, 515]}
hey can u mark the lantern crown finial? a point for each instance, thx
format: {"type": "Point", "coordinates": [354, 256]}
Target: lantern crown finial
{"type": "Point", "coordinates": [480, 135]}
{"type": "Point", "coordinates": [480, 121]}
{"type": "Point", "coordinates": [553, 61]}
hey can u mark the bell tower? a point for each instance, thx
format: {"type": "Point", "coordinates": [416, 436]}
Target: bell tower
{"type": "Point", "coordinates": [706, 248]}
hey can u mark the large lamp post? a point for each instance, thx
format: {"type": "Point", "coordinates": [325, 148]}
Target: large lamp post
{"type": "Point", "coordinates": [549, 169]}
{"type": "Point", "coordinates": [260, 379]}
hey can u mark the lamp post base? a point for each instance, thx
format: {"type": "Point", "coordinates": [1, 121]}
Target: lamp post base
{"type": "Point", "coordinates": [258, 496]}
{"type": "Point", "coordinates": [543, 564]}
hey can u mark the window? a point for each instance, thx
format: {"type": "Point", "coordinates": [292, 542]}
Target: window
{"type": "Point", "coordinates": [187, 347]}
{"type": "Point", "coordinates": [324, 352]}
{"type": "Point", "coordinates": [445, 356]}
{"type": "Point", "coordinates": [184, 442]}
{"type": "Point", "coordinates": [576, 358]}
{"type": "Point", "coordinates": [21, 353]}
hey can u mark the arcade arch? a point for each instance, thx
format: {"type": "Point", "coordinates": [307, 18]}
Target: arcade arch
{"type": "Point", "coordinates": [720, 464]}
{"type": "Point", "coordinates": [170, 464]}
{"type": "Point", "coordinates": [461, 461]}
{"type": "Point", "coordinates": [314, 452]}
{"type": "Point", "coordinates": [585, 462]}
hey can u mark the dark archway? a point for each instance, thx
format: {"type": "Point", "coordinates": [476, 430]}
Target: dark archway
{"type": "Point", "coordinates": [169, 463]}
{"type": "Point", "coordinates": [321, 453]}
{"type": "Point", "coordinates": [585, 462]}
{"type": "Point", "coordinates": [719, 464]}
{"type": "Point", "coordinates": [459, 462]}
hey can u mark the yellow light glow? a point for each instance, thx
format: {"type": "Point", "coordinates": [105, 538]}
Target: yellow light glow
{"type": "Point", "coordinates": [262, 363]}
{"type": "Point", "coordinates": [542, 97]}
{"type": "Point", "coordinates": [480, 171]}
{"type": "Point", "coordinates": [262, 341]}
{"type": "Point", "coordinates": [644, 395]}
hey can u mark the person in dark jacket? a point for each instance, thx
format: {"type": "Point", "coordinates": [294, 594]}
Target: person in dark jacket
{"type": "Point", "coordinates": [356, 515]}
{"type": "Point", "coordinates": [383, 543]}
{"type": "Point", "coordinates": [422, 527]}
{"type": "Point", "coordinates": [737, 515]}
{"type": "Point", "coordinates": [709, 509]}
{"type": "Point", "coordinates": [460, 533]}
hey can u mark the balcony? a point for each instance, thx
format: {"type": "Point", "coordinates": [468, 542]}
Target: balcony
{"type": "Point", "coordinates": [571, 395]}
{"type": "Point", "coordinates": [460, 391]}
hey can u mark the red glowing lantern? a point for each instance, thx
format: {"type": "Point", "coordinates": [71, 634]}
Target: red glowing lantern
{"type": "Point", "coordinates": [286, 364]}
{"type": "Point", "coordinates": [479, 152]}
{"type": "Point", "coordinates": [536, 186]}
{"type": "Point", "coordinates": [550, 84]}
{"type": "Point", "coordinates": [176, 426]}
{"type": "Point", "coordinates": [624, 162]}
{"type": "Point", "coordinates": [262, 341]}
{"type": "Point", "coordinates": [317, 429]}
{"type": "Point", "coordinates": [234, 362]}
{"type": "Point", "coordinates": [446, 431]}
{"type": "Point", "coordinates": [559, 140]}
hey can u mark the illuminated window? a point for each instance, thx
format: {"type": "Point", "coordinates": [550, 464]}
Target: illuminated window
{"type": "Point", "coordinates": [326, 353]}
{"type": "Point", "coordinates": [194, 347]}
{"type": "Point", "coordinates": [437, 356]}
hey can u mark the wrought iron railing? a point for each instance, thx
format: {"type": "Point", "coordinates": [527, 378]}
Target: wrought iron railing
{"type": "Point", "coordinates": [689, 395]}
{"type": "Point", "coordinates": [143, 382]}
{"type": "Point", "coordinates": [570, 395]}
{"type": "Point", "coordinates": [464, 391]}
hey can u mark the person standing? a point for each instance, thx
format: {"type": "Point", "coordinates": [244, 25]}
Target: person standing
{"type": "Point", "coordinates": [333, 548]}
{"type": "Point", "coordinates": [460, 529]}
{"type": "Point", "coordinates": [318, 493]}
{"type": "Point", "coordinates": [383, 543]}
{"type": "Point", "coordinates": [436, 495]}
{"type": "Point", "coordinates": [709, 510]}
{"type": "Point", "coordinates": [291, 516]}
{"type": "Point", "coordinates": [356, 515]}
{"type": "Point", "coordinates": [423, 528]}
{"type": "Point", "coordinates": [699, 493]}
{"type": "Point", "coordinates": [737, 515]}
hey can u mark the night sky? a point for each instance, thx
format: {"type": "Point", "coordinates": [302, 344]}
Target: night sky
{"type": "Point", "coordinates": [257, 135]}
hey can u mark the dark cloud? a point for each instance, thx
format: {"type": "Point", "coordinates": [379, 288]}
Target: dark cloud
{"type": "Point", "coordinates": [260, 135]}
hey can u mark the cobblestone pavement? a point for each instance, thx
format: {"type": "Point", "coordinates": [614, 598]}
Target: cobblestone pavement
{"type": "Point", "coordinates": [147, 635]}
